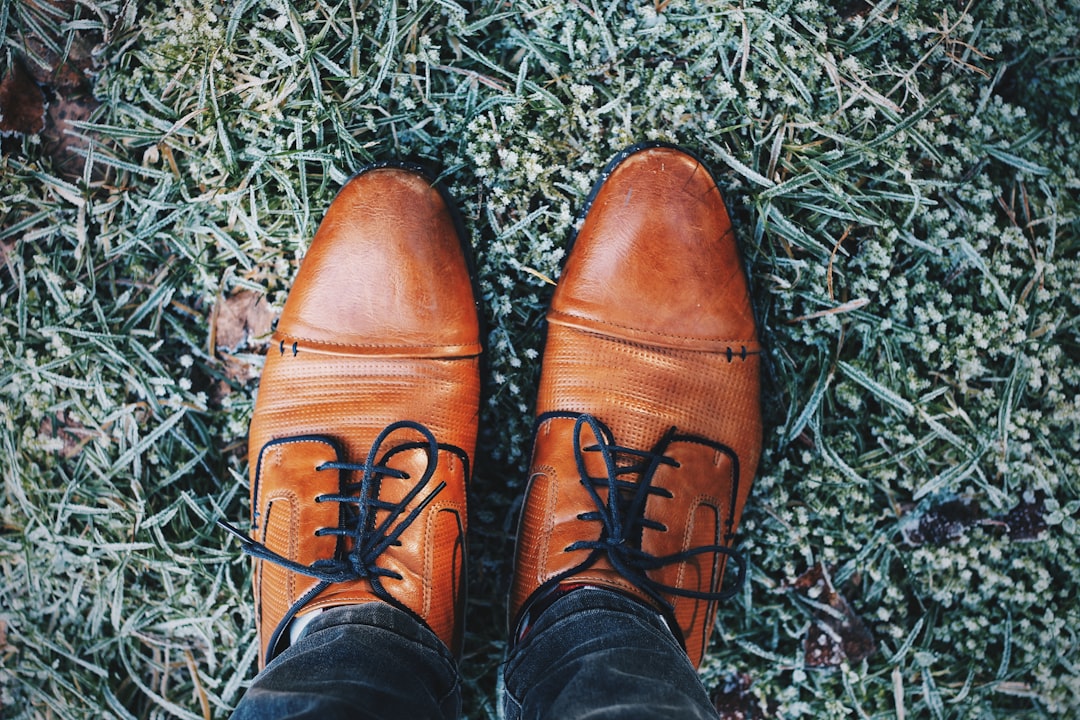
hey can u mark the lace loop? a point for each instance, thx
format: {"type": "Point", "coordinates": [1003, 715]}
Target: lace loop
{"type": "Point", "coordinates": [358, 522]}
{"type": "Point", "coordinates": [622, 515]}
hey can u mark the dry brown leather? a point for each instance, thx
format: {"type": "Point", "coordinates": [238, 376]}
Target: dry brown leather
{"type": "Point", "coordinates": [380, 326]}
{"type": "Point", "coordinates": [650, 329]}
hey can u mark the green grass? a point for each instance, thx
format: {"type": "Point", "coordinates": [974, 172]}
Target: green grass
{"type": "Point", "coordinates": [904, 181]}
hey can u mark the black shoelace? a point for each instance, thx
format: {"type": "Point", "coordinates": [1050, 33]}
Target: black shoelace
{"type": "Point", "coordinates": [622, 516]}
{"type": "Point", "coordinates": [361, 503]}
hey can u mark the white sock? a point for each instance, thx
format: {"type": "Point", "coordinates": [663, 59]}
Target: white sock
{"type": "Point", "coordinates": [299, 625]}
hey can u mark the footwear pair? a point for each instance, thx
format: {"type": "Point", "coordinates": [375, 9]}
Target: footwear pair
{"type": "Point", "coordinates": [648, 419]}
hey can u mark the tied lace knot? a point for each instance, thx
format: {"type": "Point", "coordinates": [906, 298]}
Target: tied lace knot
{"type": "Point", "coordinates": [622, 515]}
{"type": "Point", "coordinates": [360, 502]}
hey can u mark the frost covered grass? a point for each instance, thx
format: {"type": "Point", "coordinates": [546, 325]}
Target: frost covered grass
{"type": "Point", "coordinates": [904, 181]}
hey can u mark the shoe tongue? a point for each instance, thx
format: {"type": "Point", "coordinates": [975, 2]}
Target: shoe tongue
{"type": "Point", "coordinates": [630, 463]}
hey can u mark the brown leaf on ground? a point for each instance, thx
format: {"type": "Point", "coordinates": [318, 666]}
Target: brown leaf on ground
{"type": "Point", "coordinates": [69, 70]}
{"type": "Point", "coordinates": [941, 523]}
{"type": "Point", "coordinates": [857, 8]}
{"type": "Point", "coordinates": [949, 519]}
{"type": "Point", "coordinates": [1027, 521]}
{"type": "Point", "coordinates": [65, 73]}
{"type": "Point", "coordinates": [22, 104]}
{"type": "Point", "coordinates": [822, 649]}
{"type": "Point", "coordinates": [945, 521]}
{"type": "Point", "coordinates": [237, 369]}
{"type": "Point", "coordinates": [734, 701]}
{"type": "Point", "coordinates": [62, 140]}
{"type": "Point", "coordinates": [73, 434]}
{"type": "Point", "coordinates": [6, 248]}
{"type": "Point", "coordinates": [242, 320]}
{"type": "Point", "coordinates": [61, 61]}
{"type": "Point", "coordinates": [240, 323]}
{"type": "Point", "coordinates": [836, 633]}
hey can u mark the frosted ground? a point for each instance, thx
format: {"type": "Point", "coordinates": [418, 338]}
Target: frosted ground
{"type": "Point", "coordinates": [904, 181]}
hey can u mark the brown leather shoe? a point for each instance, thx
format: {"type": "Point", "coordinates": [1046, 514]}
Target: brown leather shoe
{"type": "Point", "coordinates": [649, 421]}
{"type": "Point", "coordinates": [366, 416]}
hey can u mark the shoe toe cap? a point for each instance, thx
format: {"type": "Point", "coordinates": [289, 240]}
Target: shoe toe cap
{"type": "Point", "coordinates": [367, 283]}
{"type": "Point", "coordinates": [656, 257]}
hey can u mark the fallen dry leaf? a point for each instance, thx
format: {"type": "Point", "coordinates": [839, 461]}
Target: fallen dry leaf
{"type": "Point", "coordinates": [858, 8]}
{"type": "Point", "coordinates": [837, 633]}
{"type": "Point", "coordinates": [237, 369]}
{"type": "Point", "coordinates": [62, 140]}
{"type": "Point", "coordinates": [6, 248]}
{"type": "Point", "coordinates": [734, 701]}
{"type": "Point", "coordinates": [73, 434]}
{"type": "Point", "coordinates": [22, 104]}
{"type": "Point", "coordinates": [242, 320]}
{"type": "Point", "coordinates": [948, 520]}
{"type": "Point", "coordinates": [60, 59]}
{"type": "Point", "coordinates": [1027, 521]}
{"type": "Point", "coordinates": [240, 323]}
{"type": "Point", "coordinates": [69, 70]}
{"type": "Point", "coordinates": [942, 522]}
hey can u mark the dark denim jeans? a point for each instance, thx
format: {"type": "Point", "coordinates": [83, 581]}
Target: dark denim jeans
{"type": "Point", "coordinates": [593, 654]}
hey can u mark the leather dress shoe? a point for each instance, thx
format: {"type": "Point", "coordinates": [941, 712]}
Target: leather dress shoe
{"type": "Point", "coordinates": [365, 423]}
{"type": "Point", "coordinates": [648, 426]}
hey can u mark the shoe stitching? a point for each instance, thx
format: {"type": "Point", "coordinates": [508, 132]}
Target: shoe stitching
{"type": "Point", "coordinates": [551, 501]}
{"type": "Point", "coordinates": [315, 341]}
{"type": "Point", "coordinates": [742, 353]}
{"type": "Point", "coordinates": [291, 500]}
{"type": "Point", "coordinates": [276, 446]}
{"type": "Point", "coordinates": [696, 504]}
{"type": "Point", "coordinates": [430, 528]}
{"type": "Point", "coordinates": [733, 462]}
